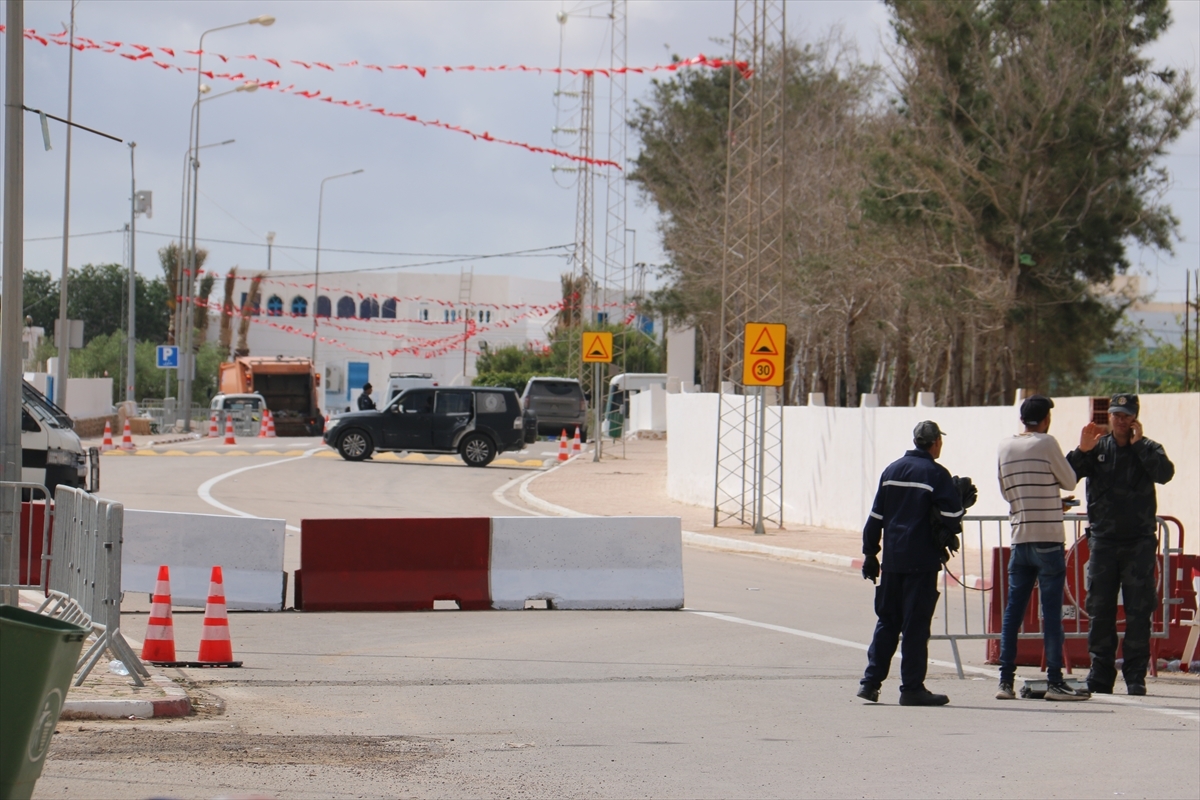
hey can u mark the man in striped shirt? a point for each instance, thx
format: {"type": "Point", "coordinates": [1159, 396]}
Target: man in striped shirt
{"type": "Point", "coordinates": [1032, 470]}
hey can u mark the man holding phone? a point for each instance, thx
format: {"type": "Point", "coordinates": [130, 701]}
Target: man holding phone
{"type": "Point", "coordinates": [1122, 468]}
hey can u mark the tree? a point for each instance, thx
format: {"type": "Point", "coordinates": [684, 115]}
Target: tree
{"type": "Point", "coordinates": [98, 294]}
{"type": "Point", "coordinates": [173, 260]}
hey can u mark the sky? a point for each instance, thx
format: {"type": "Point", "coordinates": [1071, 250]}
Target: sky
{"type": "Point", "coordinates": [425, 194]}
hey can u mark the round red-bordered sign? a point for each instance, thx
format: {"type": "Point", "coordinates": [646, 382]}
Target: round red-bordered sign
{"type": "Point", "coordinates": [763, 369]}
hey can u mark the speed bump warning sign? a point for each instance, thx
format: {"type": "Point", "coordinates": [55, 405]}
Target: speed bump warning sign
{"type": "Point", "coordinates": [763, 362]}
{"type": "Point", "coordinates": [597, 348]}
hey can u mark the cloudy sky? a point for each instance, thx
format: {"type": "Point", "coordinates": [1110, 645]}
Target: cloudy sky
{"type": "Point", "coordinates": [425, 194]}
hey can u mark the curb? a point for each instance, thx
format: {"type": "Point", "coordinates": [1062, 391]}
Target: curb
{"type": "Point", "coordinates": [705, 540]}
{"type": "Point", "coordinates": [175, 704]}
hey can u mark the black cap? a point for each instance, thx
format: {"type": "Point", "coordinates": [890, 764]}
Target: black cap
{"type": "Point", "coordinates": [1123, 404]}
{"type": "Point", "coordinates": [926, 433]}
{"type": "Point", "coordinates": [1035, 409]}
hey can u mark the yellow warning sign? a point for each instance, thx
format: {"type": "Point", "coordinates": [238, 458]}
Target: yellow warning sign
{"type": "Point", "coordinates": [763, 362]}
{"type": "Point", "coordinates": [597, 348]}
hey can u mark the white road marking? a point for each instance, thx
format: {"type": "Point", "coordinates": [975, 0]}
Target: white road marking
{"type": "Point", "coordinates": [819, 637]}
{"type": "Point", "coordinates": [205, 490]}
{"type": "Point", "coordinates": [499, 497]}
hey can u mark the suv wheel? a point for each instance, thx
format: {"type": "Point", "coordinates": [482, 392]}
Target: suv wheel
{"type": "Point", "coordinates": [477, 450]}
{"type": "Point", "coordinates": [355, 445]}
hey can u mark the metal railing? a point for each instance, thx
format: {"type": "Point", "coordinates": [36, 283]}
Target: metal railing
{"type": "Point", "coordinates": [83, 584]}
{"type": "Point", "coordinates": [984, 537]}
{"type": "Point", "coordinates": [24, 564]}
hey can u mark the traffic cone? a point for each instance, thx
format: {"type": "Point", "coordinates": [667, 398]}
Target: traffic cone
{"type": "Point", "coordinates": [127, 438]}
{"type": "Point", "coordinates": [229, 431]}
{"type": "Point", "coordinates": [577, 445]}
{"type": "Point", "coordinates": [213, 430]}
{"type": "Point", "coordinates": [270, 424]}
{"type": "Point", "coordinates": [159, 644]}
{"type": "Point", "coordinates": [562, 446]}
{"type": "Point", "coordinates": [262, 426]}
{"type": "Point", "coordinates": [107, 444]}
{"type": "Point", "coordinates": [215, 646]}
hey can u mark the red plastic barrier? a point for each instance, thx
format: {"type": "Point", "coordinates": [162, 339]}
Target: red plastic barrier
{"type": "Point", "coordinates": [393, 564]}
{"type": "Point", "coordinates": [31, 542]}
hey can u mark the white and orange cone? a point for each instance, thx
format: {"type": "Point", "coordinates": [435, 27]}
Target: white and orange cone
{"type": "Point", "coordinates": [270, 424]}
{"type": "Point", "coordinates": [577, 444]}
{"type": "Point", "coordinates": [159, 645]}
{"type": "Point", "coordinates": [229, 439]}
{"type": "Point", "coordinates": [215, 645]}
{"type": "Point", "coordinates": [107, 444]}
{"type": "Point", "coordinates": [562, 446]}
{"type": "Point", "coordinates": [262, 426]}
{"type": "Point", "coordinates": [213, 430]}
{"type": "Point", "coordinates": [127, 438]}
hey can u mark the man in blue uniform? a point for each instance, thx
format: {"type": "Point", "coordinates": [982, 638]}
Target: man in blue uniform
{"type": "Point", "coordinates": [911, 490]}
{"type": "Point", "coordinates": [1121, 468]}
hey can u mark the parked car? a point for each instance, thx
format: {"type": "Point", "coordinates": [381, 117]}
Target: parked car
{"type": "Point", "coordinates": [559, 404]}
{"type": "Point", "coordinates": [245, 409]}
{"type": "Point", "coordinates": [474, 422]}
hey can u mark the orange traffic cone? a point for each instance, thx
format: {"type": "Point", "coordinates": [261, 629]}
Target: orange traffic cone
{"type": "Point", "coordinates": [160, 630]}
{"type": "Point", "coordinates": [107, 444]}
{"type": "Point", "coordinates": [562, 446]}
{"type": "Point", "coordinates": [215, 646]}
{"type": "Point", "coordinates": [229, 431]}
{"type": "Point", "coordinates": [127, 438]}
{"type": "Point", "coordinates": [270, 424]}
{"type": "Point", "coordinates": [213, 430]}
{"type": "Point", "coordinates": [262, 426]}
{"type": "Point", "coordinates": [577, 445]}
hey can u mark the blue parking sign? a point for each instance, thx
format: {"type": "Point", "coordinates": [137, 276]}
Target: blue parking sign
{"type": "Point", "coordinates": [167, 356]}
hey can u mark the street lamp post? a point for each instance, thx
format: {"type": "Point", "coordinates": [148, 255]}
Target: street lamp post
{"type": "Point", "coordinates": [270, 244]}
{"type": "Point", "coordinates": [187, 359]}
{"type": "Point", "coordinates": [317, 276]}
{"type": "Point", "coordinates": [186, 182]}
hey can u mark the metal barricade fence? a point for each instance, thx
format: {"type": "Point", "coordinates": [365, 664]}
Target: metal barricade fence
{"type": "Point", "coordinates": [246, 422]}
{"type": "Point", "coordinates": [83, 584]}
{"type": "Point", "coordinates": [987, 537]}
{"type": "Point", "coordinates": [24, 542]}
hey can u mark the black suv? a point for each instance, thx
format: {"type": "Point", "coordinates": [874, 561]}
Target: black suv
{"type": "Point", "coordinates": [475, 422]}
{"type": "Point", "coordinates": [559, 405]}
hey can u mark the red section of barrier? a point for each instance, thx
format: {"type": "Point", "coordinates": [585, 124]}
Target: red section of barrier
{"type": "Point", "coordinates": [394, 564]}
{"type": "Point", "coordinates": [31, 542]}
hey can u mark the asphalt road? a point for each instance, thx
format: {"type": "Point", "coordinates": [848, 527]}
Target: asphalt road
{"type": "Point", "coordinates": [747, 693]}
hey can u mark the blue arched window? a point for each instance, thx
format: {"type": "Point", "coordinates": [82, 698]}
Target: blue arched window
{"type": "Point", "coordinates": [346, 307]}
{"type": "Point", "coordinates": [323, 306]}
{"type": "Point", "coordinates": [368, 308]}
{"type": "Point", "coordinates": [275, 306]}
{"type": "Point", "coordinates": [299, 306]}
{"type": "Point", "coordinates": [389, 308]}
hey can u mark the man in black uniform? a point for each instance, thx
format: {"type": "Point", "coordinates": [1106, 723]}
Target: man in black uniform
{"type": "Point", "coordinates": [365, 403]}
{"type": "Point", "coordinates": [1121, 468]}
{"type": "Point", "coordinates": [910, 490]}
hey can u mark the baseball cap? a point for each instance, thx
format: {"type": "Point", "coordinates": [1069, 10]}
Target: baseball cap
{"type": "Point", "coordinates": [1123, 404]}
{"type": "Point", "coordinates": [926, 433]}
{"type": "Point", "coordinates": [1034, 409]}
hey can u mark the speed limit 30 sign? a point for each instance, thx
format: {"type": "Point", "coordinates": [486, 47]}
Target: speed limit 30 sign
{"type": "Point", "coordinates": [763, 361]}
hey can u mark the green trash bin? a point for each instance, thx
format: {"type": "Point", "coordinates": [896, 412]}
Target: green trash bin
{"type": "Point", "coordinates": [37, 659]}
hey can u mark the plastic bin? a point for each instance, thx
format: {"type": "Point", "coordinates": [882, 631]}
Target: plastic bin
{"type": "Point", "coordinates": [37, 659]}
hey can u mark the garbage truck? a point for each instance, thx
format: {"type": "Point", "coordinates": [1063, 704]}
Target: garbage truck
{"type": "Point", "coordinates": [289, 386]}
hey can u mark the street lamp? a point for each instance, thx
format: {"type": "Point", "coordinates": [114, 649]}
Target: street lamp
{"type": "Point", "coordinates": [317, 276]}
{"type": "Point", "coordinates": [187, 362]}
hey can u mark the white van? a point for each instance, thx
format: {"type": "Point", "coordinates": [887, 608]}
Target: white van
{"type": "Point", "coordinates": [620, 389]}
{"type": "Point", "coordinates": [51, 453]}
{"type": "Point", "coordinates": [399, 381]}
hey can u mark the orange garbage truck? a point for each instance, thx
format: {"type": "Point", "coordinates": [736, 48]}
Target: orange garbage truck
{"type": "Point", "coordinates": [289, 385]}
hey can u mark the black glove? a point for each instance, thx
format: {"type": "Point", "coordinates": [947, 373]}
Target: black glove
{"type": "Point", "coordinates": [966, 491]}
{"type": "Point", "coordinates": [870, 568]}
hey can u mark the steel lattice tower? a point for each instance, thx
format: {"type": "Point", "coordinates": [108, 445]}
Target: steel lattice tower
{"type": "Point", "coordinates": [752, 261]}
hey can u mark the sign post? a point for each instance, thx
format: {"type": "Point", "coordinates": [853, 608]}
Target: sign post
{"type": "Point", "coordinates": [597, 350]}
{"type": "Point", "coordinates": [762, 366]}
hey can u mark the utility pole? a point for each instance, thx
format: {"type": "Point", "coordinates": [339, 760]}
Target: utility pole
{"type": "Point", "coordinates": [132, 333]}
{"type": "Point", "coordinates": [11, 315]}
{"type": "Point", "coordinates": [64, 344]}
{"type": "Point", "coordinates": [270, 244]}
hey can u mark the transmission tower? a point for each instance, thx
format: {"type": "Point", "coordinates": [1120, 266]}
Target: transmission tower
{"type": "Point", "coordinates": [752, 266]}
{"type": "Point", "coordinates": [584, 273]}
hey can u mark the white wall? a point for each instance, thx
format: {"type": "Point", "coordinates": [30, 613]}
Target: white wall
{"type": "Point", "coordinates": [648, 411]}
{"type": "Point", "coordinates": [86, 397]}
{"type": "Point", "coordinates": [833, 456]}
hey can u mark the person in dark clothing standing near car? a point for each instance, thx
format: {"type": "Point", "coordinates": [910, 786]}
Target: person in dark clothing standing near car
{"type": "Point", "coordinates": [1121, 468]}
{"type": "Point", "coordinates": [914, 493]}
{"type": "Point", "coordinates": [365, 403]}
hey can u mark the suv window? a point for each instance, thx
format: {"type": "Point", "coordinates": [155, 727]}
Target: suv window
{"type": "Point", "coordinates": [417, 403]}
{"type": "Point", "coordinates": [242, 404]}
{"type": "Point", "coordinates": [554, 389]}
{"type": "Point", "coordinates": [453, 403]}
{"type": "Point", "coordinates": [491, 403]}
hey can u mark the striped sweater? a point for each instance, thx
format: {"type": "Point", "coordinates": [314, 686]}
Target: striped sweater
{"type": "Point", "coordinates": [1032, 470]}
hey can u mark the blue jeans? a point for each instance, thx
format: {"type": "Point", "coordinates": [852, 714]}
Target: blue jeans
{"type": "Point", "coordinates": [1045, 564]}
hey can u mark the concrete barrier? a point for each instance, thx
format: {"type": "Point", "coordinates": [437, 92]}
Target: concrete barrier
{"type": "Point", "coordinates": [392, 564]}
{"type": "Point", "coordinates": [587, 562]}
{"type": "Point", "coordinates": [249, 550]}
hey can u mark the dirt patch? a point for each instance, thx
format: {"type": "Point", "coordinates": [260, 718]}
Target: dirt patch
{"type": "Point", "coordinates": [227, 749]}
